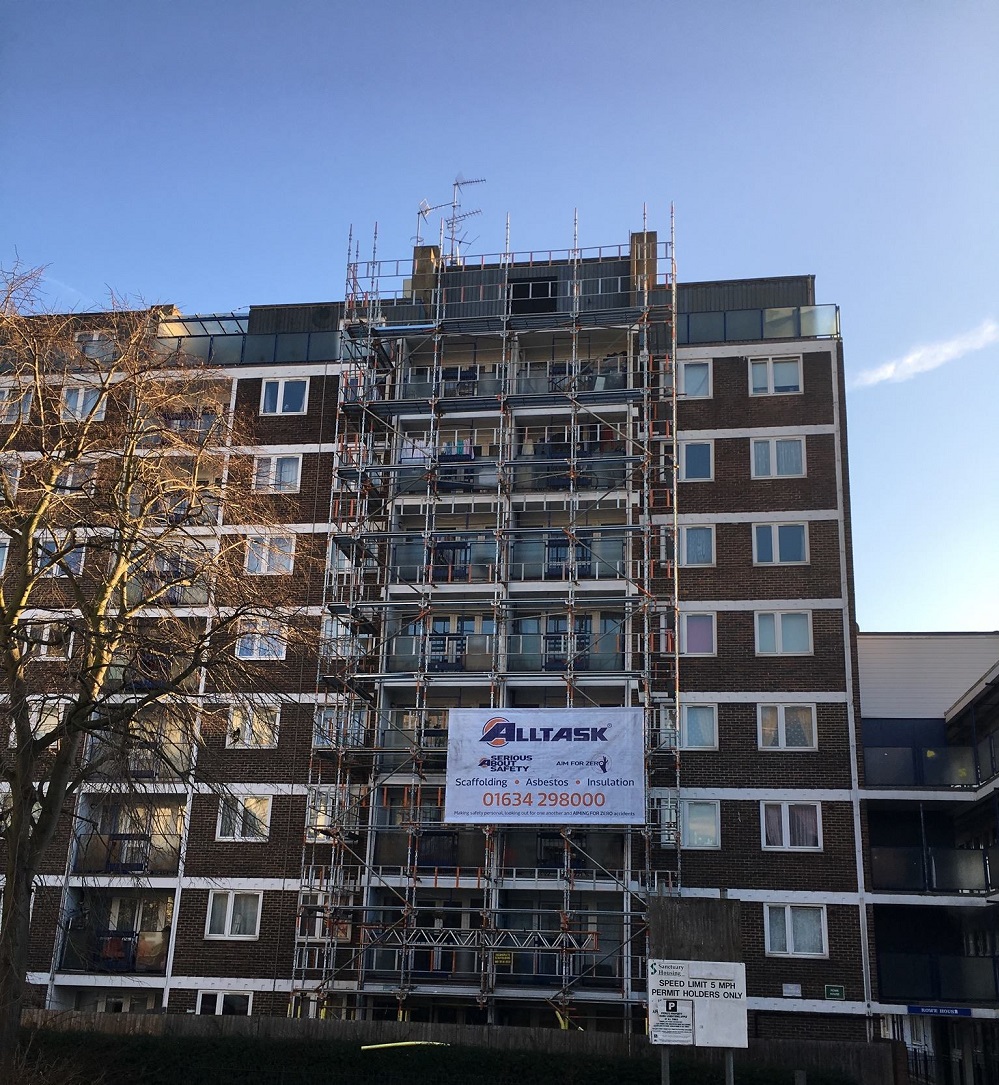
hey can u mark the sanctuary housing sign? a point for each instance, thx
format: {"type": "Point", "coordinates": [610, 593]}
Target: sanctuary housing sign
{"type": "Point", "coordinates": [519, 765]}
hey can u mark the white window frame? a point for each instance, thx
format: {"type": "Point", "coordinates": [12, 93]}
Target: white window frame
{"type": "Point", "coordinates": [683, 378]}
{"type": "Point", "coordinates": [775, 540]}
{"type": "Point", "coordinates": [73, 559]}
{"type": "Point", "coordinates": [10, 477]}
{"type": "Point", "coordinates": [47, 715]}
{"type": "Point", "coordinates": [244, 819]}
{"type": "Point", "coordinates": [267, 555]}
{"type": "Point", "coordinates": [322, 806]}
{"type": "Point", "coordinates": [336, 726]}
{"type": "Point", "coordinates": [769, 361]}
{"type": "Point", "coordinates": [782, 744]}
{"type": "Point", "coordinates": [262, 640]}
{"type": "Point", "coordinates": [231, 894]}
{"type": "Point", "coordinates": [772, 442]}
{"type": "Point", "coordinates": [253, 727]}
{"type": "Point", "coordinates": [41, 645]}
{"type": "Point", "coordinates": [710, 477]}
{"type": "Point", "coordinates": [272, 486]}
{"type": "Point", "coordinates": [15, 405]}
{"type": "Point", "coordinates": [684, 729]}
{"type": "Point", "coordinates": [219, 997]}
{"type": "Point", "coordinates": [4, 551]}
{"type": "Point", "coordinates": [281, 382]}
{"type": "Point", "coordinates": [778, 616]}
{"type": "Point", "coordinates": [77, 480]}
{"type": "Point", "coordinates": [685, 805]}
{"type": "Point", "coordinates": [685, 616]}
{"type": "Point", "coordinates": [789, 930]}
{"type": "Point", "coordinates": [785, 825]}
{"type": "Point", "coordinates": [73, 403]}
{"type": "Point", "coordinates": [683, 546]}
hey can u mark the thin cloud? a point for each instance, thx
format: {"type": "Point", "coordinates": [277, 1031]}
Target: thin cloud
{"type": "Point", "coordinates": [931, 356]}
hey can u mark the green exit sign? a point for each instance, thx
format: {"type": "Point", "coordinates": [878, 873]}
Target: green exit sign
{"type": "Point", "coordinates": [836, 991]}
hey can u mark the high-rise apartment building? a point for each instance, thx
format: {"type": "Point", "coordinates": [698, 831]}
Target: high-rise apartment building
{"type": "Point", "coordinates": [540, 481]}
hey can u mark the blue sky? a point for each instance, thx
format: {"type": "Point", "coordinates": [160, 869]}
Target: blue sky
{"type": "Point", "coordinates": [215, 155]}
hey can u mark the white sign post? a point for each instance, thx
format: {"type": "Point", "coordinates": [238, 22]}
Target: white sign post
{"type": "Point", "coordinates": [697, 1003]}
{"type": "Point", "coordinates": [509, 766]}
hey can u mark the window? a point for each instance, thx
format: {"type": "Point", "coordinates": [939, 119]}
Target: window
{"type": "Point", "coordinates": [83, 402]}
{"type": "Point", "coordinates": [701, 824]}
{"type": "Point", "coordinates": [48, 716]}
{"type": "Point", "coordinates": [795, 930]}
{"type": "Point", "coordinates": [778, 457]}
{"type": "Point", "coordinates": [58, 556]}
{"type": "Point", "coordinates": [333, 809]}
{"type": "Point", "coordinates": [784, 633]}
{"type": "Point", "coordinates": [696, 461]}
{"type": "Point", "coordinates": [270, 555]}
{"type": "Point", "coordinates": [338, 725]}
{"type": "Point", "coordinates": [774, 376]}
{"type": "Point", "coordinates": [244, 817]}
{"type": "Point", "coordinates": [261, 639]}
{"type": "Point", "coordinates": [48, 640]}
{"type": "Point", "coordinates": [15, 406]}
{"type": "Point", "coordinates": [780, 544]}
{"type": "Point", "coordinates": [277, 474]}
{"type": "Point", "coordinates": [284, 396]}
{"type": "Point", "coordinates": [697, 634]}
{"type": "Point", "coordinates": [10, 476]}
{"type": "Point", "coordinates": [225, 1003]}
{"type": "Point", "coordinates": [791, 826]}
{"type": "Point", "coordinates": [233, 915]}
{"type": "Point", "coordinates": [786, 726]}
{"type": "Point", "coordinates": [253, 727]}
{"type": "Point", "coordinates": [77, 480]}
{"type": "Point", "coordinates": [699, 727]}
{"type": "Point", "coordinates": [695, 380]}
{"type": "Point", "coordinates": [697, 546]}
{"type": "Point", "coordinates": [4, 549]}
{"type": "Point", "coordinates": [533, 295]}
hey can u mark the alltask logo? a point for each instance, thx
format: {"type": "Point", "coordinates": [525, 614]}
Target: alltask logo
{"type": "Point", "coordinates": [499, 731]}
{"type": "Point", "coordinates": [506, 762]}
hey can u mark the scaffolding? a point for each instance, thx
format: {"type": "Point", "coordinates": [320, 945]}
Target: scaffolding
{"type": "Point", "coordinates": [503, 530]}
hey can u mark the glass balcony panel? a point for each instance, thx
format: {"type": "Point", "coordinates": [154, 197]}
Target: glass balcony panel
{"type": "Point", "coordinates": [292, 347]}
{"type": "Point", "coordinates": [905, 976]}
{"type": "Point", "coordinates": [958, 870]}
{"type": "Point", "coordinates": [780, 323]}
{"type": "Point", "coordinates": [324, 346]}
{"type": "Point", "coordinates": [819, 320]}
{"type": "Point", "coordinates": [889, 766]}
{"type": "Point", "coordinates": [743, 324]}
{"type": "Point", "coordinates": [898, 869]}
{"type": "Point", "coordinates": [970, 979]}
{"type": "Point", "coordinates": [227, 349]}
{"type": "Point", "coordinates": [259, 350]}
{"type": "Point", "coordinates": [706, 327]}
{"type": "Point", "coordinates": [948, 766]}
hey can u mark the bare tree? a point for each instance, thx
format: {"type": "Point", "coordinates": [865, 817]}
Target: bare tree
{"type": "Point", "coordinates": [124, 611]}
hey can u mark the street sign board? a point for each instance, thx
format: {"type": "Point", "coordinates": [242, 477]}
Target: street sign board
{"type": "Point", "coordinates": [698, 1003]}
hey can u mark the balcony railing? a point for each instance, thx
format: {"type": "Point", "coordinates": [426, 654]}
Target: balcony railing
{"type": "Point", "coordinates": [528, 652]}
{"type": "Point", "coordinates": [91, 950]}
{"type": "Point", "coordinates": [918, 977]}
{"type": "Point", "coordinates": [127, 853]}
{"type": "Point", "coordinates": [919, 766]}
{"type": "Point", "coordinates": [935, 870]}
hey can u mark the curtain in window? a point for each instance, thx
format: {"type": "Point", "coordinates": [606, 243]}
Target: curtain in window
{"type": "Point", "coordinates": [786, 376]}
{"type": "Point", "coordinates": [777, 920]}
{"type": "Point", "coordinates": [789, 457]}
{"type": "Point", "coordinates": [798, 727]}
{"type": "Point", "coordinates": [794, 632]}
{"type": "Point", "coordinates": [766, 630]}
{"type": "Point", "coordinates": [761, 459]}
{"type": "Point", "coordinates": [773, 825]}
{"type": "Point", "coordinates": [700, 633]}
{"type": "Point", "coordinates": [698, 546]}
{"type": "Point", "coordinates": [769, 733]}
{"type": "Point", "coordinates": [244, 913]}
{"type": "Point", "coordinates": [806, 929]}
{"type": "Point", "coordinates": [695, 378]}
{"type": "Point", "coordinates": [803, 823]}
{"type": "Point", "coordinates": [700, 726]}
{"type": "Point", "coordinates": [286, 476]}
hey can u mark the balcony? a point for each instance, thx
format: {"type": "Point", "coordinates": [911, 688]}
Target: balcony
{"type": "Point", "coordinates": [131, 853]}
{"type": "Point", "coordinates": [444, 652]}
{"type": "Point", "coordinates": [931, 977]}
{"type": "Point", "coordinates": [90, 949]}
{"type": "Point", "coordinates": [935, 869]}
{"type": "Point", "coordinates": [919, 766]}
{"type": "Point", "coordinates": [738, 325]}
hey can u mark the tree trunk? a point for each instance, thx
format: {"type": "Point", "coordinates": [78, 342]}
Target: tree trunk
{"type": "Point", "coordinates": [14, 934]}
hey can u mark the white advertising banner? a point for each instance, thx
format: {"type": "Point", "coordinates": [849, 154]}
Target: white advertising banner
{"type": "Point", "coordinates": [519, 765]}
{"type": "Point", "coordinates": [698, 1003]}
